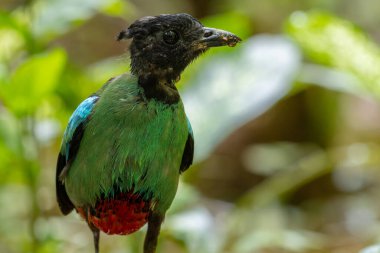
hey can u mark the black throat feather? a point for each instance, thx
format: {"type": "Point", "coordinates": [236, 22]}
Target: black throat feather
{"type": "Point", "coordinates": [160, 90]}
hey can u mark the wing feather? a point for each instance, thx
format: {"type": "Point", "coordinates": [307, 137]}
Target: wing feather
{"type": "Point", "coordinates": [188, 153]}
{"type": "Point", "coordinates": [70, 145]}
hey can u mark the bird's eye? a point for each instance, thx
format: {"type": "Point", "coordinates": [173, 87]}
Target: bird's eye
{"type": "Point", "coordinates": [171, 37]}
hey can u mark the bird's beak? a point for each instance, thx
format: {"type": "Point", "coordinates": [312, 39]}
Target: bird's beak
{"type": "Point", "coordinates": [215, 38]}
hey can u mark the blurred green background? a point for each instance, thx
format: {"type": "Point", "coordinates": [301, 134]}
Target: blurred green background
{"type": "Point", "coordinates": [287, 124]}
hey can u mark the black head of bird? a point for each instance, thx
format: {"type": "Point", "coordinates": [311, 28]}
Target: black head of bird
{"type": "Point", "coordinates": [162, 46]}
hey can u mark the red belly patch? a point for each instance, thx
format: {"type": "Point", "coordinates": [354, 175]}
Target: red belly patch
{"type": "Point", "coordinates": [123, 214]}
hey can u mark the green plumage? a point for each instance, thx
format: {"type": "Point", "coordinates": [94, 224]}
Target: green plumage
{"type": "Point", "coordinates": [129, 142]}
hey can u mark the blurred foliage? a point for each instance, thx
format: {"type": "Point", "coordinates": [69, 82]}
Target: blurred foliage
{"type": "Point", "coordinates": [287, 124]}
{"type": "Point", "coordinates": [327, 40]}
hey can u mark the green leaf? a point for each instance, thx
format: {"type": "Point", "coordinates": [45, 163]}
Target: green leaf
{"type": "Point", "coordinates": [335, 42]}
{"type": "Point", "coordinates": [13, 36]}
{"type": "Point", "coordinates": [33, 81]}
{"type": "Point", "coordinates": [15, 24]}
{"type": "Point", "coordinates": [11, 154]}
{"type": "Point", "coordinates": [10, 42]}
{"type": "Point", "coordinates": [8, 21]}
{"type": "Point", "coordinates": [9, 132]}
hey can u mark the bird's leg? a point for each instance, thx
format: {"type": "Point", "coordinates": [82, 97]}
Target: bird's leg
{"type": "Point", "coordinates": [96, 234]}
{"type": "Point", "coordinates": [154, 226]}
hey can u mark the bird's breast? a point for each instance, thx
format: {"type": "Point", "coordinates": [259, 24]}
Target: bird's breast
{"type": "Point", "coordinates": [129, 143]}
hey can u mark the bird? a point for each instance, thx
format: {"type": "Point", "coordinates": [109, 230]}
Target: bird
{"type": "Point", "coordinates": [126, 145]}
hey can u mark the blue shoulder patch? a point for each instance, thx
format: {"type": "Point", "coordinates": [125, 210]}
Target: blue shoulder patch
{"type": "Point", "coordinates": [189, 127]}
{"type": "Point", "coordinates": [79, 116]}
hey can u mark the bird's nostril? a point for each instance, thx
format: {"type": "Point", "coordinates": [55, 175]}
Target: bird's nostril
{"type": "Point", "coordinates": [207, 34]}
